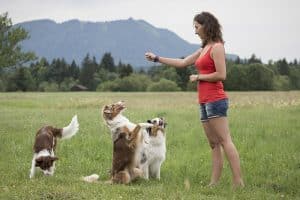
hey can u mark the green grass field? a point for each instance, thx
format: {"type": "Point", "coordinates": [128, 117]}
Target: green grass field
{"type": "Point", "coordinates": [264, 125]}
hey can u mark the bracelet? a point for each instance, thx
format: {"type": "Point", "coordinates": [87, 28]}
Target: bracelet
{"type": "Point", "coordinates": [156, 59]}
{"type": "Point", "coordinates": [198, 79]}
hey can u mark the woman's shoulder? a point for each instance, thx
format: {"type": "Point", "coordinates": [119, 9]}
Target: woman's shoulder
{"type": "Point", "coordinates": [218, 46]}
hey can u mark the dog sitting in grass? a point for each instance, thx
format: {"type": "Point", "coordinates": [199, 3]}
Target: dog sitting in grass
{"type": "Point", "coordinates": [45, 143]}
{"type": "Point", "coordinates": [156, 149]}
{"type": "Point", "coordinates": [125, 156]}
{"type": "Point", "coordinates": [125, 150]}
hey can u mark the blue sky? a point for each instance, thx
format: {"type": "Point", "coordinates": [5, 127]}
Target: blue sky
{"type": "Point", "coordinates": [268, 28]}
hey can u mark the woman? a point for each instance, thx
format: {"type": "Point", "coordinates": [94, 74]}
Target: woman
{"type": "Point", "coordinates": [210, 63]}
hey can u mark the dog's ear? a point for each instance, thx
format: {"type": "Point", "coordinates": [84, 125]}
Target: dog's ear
{"type": "Point", "coordinates": [149, 121]}
{"type": "Point", "coordinates": [107, 111]}
{"type": "Point", "coordinates": [163, 121]}
{"type": "Point", "coordinates": [54, 158]}
{"type": "Point", "coordinates": [38, 161]}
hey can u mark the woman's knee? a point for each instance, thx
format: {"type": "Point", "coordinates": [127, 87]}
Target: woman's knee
{"type": "Point", "coordinates": [214, 144]}
{"type": "Point", "coordinates": [227, 142]}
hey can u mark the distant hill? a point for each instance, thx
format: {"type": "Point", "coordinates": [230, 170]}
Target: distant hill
{"type": "Point", "coordinates": [126, 40]}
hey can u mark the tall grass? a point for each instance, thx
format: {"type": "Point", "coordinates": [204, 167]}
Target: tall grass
{"type": "Point", "coordinates": [264, 126]}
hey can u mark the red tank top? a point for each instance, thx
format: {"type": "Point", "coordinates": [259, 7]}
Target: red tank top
{"type": "Point", "coordinates": [208, 91]}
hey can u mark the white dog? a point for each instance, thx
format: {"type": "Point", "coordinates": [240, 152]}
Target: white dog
{"type": "Point", "coordinates": [156, 149]}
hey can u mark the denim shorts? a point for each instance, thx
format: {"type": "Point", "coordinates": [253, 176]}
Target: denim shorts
{"type": "Point", "coordinates": [213, 109]}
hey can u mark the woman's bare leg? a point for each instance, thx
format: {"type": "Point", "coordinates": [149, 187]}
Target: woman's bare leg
{"type": "Point", "coordinates": [221, 129]}
{"type": "Point", "coordinates": [216, 151]}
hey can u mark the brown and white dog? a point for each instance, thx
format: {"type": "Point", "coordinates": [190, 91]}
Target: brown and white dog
{"type": "Point", "coordinates": [45, 143]}
{"type": "Point", "coordinates": [156, 149]}
{"type": "Point", "coordinates": [125, 147]}
{"type": "Point", "coordinates": [112, 115]}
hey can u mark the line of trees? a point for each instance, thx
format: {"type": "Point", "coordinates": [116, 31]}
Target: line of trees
{"type": "Point", "coordinates": [22, 71]}
{"type": "Point", "coordinates": [105, 75]}
{"type": "Point", "coordinates": [101, 76]}
{"type": "Point", "coordinates": [252, 74]}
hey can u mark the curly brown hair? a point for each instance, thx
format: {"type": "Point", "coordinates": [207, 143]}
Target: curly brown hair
{"type": "Point", "coordinates": [211, 27]}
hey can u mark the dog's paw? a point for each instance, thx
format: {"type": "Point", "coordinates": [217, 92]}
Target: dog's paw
{"type": "Point", "coordinates": [145, 125]}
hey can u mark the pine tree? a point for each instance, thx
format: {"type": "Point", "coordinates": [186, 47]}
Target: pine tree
{"type": "Point", "coordinates": [74, 70]}
{"type": "Point", "coordinates": [87, 73]}
{"type": "Point", "coordinates": [107, 63]}
{"type": "Point", "coordinates": [124, 70]}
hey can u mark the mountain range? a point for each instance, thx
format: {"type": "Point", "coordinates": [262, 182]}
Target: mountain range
{"type": "Point", "coordinates": [126, 40]}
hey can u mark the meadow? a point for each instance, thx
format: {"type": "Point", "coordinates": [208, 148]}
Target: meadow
{"type": "Point", "coordinates": [264, 125]}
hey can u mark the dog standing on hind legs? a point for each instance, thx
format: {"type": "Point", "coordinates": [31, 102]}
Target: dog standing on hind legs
{"type": "Point", "coordinates": [45, 143]}
{"type": "Point", "coordinates": [125, 151]}
{"type": "Point", "coordinates": [114, 119]}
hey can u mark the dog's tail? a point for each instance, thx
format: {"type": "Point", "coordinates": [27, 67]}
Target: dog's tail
{"type": "Point", "coordinates": [71, 129]}
{"type": "Point", "coordinates": [91, 179]}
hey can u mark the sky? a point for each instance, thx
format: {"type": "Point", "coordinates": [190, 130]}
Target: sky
{"type": "Point", "coordinates": [270, 29]}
